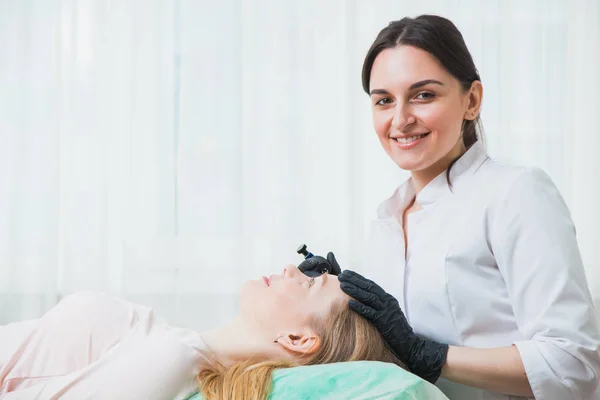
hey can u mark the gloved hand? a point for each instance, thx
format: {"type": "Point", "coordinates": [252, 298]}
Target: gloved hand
{"type": "Point", "coordinates": [423, 357]}
{"type": "Point", "coordinates": [316, 266]}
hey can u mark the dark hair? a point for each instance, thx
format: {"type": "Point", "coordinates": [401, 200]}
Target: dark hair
{"type": "Point", "coordinates": [439, 37]}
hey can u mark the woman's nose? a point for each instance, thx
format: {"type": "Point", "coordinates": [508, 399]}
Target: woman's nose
{"type": "Point", "coordinates": [402, 118]}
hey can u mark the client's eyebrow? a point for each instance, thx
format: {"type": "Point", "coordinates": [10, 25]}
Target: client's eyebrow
{"type": "Point", "coordinates": [324, 280]}
{"type": "Point", "coordinates": [414, 86]}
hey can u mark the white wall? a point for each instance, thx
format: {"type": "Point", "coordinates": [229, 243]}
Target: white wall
{"type": "Point", "coordinates": [167, 151]}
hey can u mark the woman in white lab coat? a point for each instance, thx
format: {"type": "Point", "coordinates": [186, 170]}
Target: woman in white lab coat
{"type": "Point", "coordinates": [480, 284]}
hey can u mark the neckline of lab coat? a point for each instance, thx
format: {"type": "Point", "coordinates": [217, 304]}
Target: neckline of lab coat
{"type": "Point", "coordinates": [467, 164]}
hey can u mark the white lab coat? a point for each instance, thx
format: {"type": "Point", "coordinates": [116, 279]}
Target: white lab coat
{"type": "Point", "coordinates": [492, 262]}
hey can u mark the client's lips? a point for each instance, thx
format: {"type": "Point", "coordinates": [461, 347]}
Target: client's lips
{"type": "Point", "coordinates": [266, 281]}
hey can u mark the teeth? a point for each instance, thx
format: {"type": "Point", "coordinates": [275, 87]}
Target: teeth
{"type": "Point", "coordinates": [410, 139]}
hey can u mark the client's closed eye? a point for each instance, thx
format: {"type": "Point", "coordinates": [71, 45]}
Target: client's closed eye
{"type": "Point", "coordinates": [311, 282]}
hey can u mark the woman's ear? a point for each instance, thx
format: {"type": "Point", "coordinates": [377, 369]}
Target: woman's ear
{"type": "Point", "coordinates": [474, 100]}
{"type": "Point", "coordinates": [301, 343]}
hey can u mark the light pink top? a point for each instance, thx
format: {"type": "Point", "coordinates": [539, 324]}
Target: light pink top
{"type": "Point", "coordinates": [93, 346]}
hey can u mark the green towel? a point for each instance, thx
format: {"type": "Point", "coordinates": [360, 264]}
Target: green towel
{"type": "Point", "coordinates": [356, 380]}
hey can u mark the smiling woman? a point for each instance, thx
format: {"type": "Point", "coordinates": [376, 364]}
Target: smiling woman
{"type": "Point", "coordinates": [424, 107]}
{"type": "Point", "coordinates": [485, 285]}
{"type": "Point", "coordinates": [85, 345]}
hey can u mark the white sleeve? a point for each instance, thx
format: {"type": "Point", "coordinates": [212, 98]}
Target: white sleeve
{"type": "Point", "coordinates": [93, 346]}
{"type": "Point", "coordinates": [12, 337]}
{"type": "Point", "coordinates": [158, 368]}
{"type": "Point", "coordinates": [534, 242]}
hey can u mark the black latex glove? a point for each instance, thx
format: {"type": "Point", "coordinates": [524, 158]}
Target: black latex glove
{"type": "Point", "coordinates": [317, 265]}
{"type": "Point", "coordinates": [423, 357]}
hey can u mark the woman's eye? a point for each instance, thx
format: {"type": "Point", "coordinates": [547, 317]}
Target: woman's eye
{"type": "Point", "coordinates": [384, 101]}
{"type": "Point", "coordinates": [311, 282]}
{"type": "Point", "coordinates": [424, 96]}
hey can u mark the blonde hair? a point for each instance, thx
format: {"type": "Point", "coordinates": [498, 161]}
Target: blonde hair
{"type": "Point", "coordinates": [345, 336]}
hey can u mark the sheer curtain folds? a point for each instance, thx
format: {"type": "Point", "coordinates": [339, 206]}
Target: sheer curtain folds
{"type": "Point", "coordinates": [167, 151]}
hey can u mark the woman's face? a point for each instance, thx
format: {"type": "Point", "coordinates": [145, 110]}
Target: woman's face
{"type": "Point", "coordinates": [288, 301]}
{"type": "Point", "coordinates": [418, 108]}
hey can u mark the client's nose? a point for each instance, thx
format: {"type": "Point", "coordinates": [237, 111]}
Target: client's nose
{"type": "Point", "coordinates": [290, 271]}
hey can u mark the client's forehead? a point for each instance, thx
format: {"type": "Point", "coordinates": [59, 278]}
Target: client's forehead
{"type": "Point", "coordinates": [330, 285]}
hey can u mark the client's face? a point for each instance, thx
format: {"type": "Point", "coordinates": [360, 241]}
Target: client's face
{"type": "Point", "coordinates": [289, 300]}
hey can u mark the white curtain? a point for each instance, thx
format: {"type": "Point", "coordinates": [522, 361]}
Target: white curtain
{"type": "Point", "coordinates": [166, 151]}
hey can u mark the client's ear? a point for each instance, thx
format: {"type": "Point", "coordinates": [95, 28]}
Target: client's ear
{"type": "Point", "coordinates": [304, 342]}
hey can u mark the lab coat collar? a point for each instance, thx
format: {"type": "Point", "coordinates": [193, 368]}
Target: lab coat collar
{"type": "Point", "coordinates": [401, 198]}
{"type": "Point", "coordinates": [403, 195]}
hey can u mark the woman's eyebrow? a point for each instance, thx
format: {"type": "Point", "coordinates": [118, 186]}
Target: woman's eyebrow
{"type": "Point", "coordinates": [423, 83]}
{"type": "Point", "coordinates": [412, 87]}
{"type": "Point", "coordinates": [379, 91]}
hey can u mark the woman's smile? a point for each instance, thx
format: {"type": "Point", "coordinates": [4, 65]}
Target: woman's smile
{"type": "Point", "coordinates": [408, 142]}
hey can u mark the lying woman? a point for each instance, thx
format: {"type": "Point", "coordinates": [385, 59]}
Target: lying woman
{"type": "Point", "coordinates": [91, 345]}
